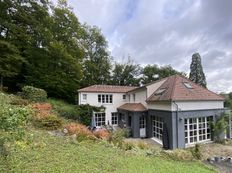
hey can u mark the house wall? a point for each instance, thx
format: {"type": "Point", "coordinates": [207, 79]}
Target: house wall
{"type": "Point", "coordinates": [175, 123]}
{"type": "Point", "coordinates": [140, 96]}
{"type": "Point", "coordinates": [166, 106]}
{"type": "Point", "coordinates": [92, 99]}
{"type": "Point", "coordinates": [197, 105]}
{"type": "Point", "coordinates": [179, 117]}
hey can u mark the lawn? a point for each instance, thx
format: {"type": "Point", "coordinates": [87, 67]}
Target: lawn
{"type": "Point", "coordinates": [46, 153]}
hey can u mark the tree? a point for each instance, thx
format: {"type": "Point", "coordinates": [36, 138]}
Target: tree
{"type": "Point", "coordinates": [97, 62]}
{"type": "Point", "coordinates": [230, 95]}
{"type": "Point", "coordinates": [154, 72]}
{"type": "Point", "coordinates": [196, 71]}
{"type": "Point", "coordinates": [10, 61]}
{"type": "Point", "coordinates": [126, 74]}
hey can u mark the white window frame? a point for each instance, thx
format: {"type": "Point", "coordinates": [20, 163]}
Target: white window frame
{"type": "Point", "coordinates": [124, 96]}
{"type": "Point", "coordinates": [114, 118]}
{"type": "Point", "coordinates": [84, 97]}
{"type": "Point", "coordinates": [105, 98]}
{"type": "Point", "coordinates": [134, 97]}
{"type": "Point", "coordinates": [142, 122]}
{"type": "Point", "coordinates": [157, 126]}
{"type": "Point", "coordinates": [100, 118]}
{"type": "Point", "coordinates": [197, 130]}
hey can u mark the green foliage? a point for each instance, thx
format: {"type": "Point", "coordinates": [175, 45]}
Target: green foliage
{"type": "Point", "coordinates": [196, 71]}
{"type": "Point", "coordinates": [34, 94]}
{"type": "Point", "coordinates": [13, 117]}
{"type": "Point", "coordinates": [219, 128]}
{"type": "Point", "coordinates": [126, 73]}
{"type": "Point", "coordinates": [230, 95]}
{"type": "Point", "coordinates": [13, 120]}
{"type": "Point", "coordinates": [50, 122]}
{"type": "Point", "coordinates": [10, 61]}
{"type": "Point", "coordinates": [196, 152]}
{"type": "Point", "coordinates": [116, 137]}
{"type": "Point", "coordinates": [64, 109]}
{"type": "Point", "coordinates": [154, 72]}
{"type": "Point", "coordinates": [86, 112]}
{"type": "Point", "coordinates": [97, 64]}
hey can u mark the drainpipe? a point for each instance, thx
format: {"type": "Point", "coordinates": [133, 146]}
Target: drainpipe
{"type": "Point", "coordinates": [177, 119]}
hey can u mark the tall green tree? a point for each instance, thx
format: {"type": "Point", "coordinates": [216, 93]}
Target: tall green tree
{"type": "Point", "coordinates": [10, 61]}
{"type": "Point", "coordinates": [196, 71]}
{"type": "Point", "coordinates": [127, 73]}
{"type": "Point", "coordinates": [97, 61]}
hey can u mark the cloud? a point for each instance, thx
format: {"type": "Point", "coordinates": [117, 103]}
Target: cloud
{"type": "Point", "coordinates": [167, 32]}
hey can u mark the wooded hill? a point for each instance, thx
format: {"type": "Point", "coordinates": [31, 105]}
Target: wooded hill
{"type": "Point", "coordinates": [44, 45]}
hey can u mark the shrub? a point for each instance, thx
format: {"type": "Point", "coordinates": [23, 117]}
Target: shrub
{"type": "Point", "coordinates": [219, 128]}
{"type": "Point", "coordinates": [196, 152]}
{"type": "Point", "coordinates": [13, 119]}
{"type": "Point", "coordinates": [19, 101]}
{"type": "Point", "coordinates": [117, 137]}
{"type": "Point", "coordinates": [64, 109]}
{"type": "Point", "coordinates": [4, 99]}
{"type": "Point", "coordinates": [85, 113]}
{"type": "Point", "coordinates": [48, 122]}
{"type": "Point", "coordinates": [42, 109]}
{"type": "Point", "coordinates": [128, 145]}
{"type": "Point", "coordinates": [34, 94]}
{"type": "Point", "coordinates": [80, 130]}
{"type": "Point", "coordinates": [101, 133]}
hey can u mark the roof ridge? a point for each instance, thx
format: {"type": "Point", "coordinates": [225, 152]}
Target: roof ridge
{"type": "Point", "coordinates": [173, 88]}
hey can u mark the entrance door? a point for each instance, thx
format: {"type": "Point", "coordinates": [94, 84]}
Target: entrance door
{"type": "Point", "coordinates": [142, 126]}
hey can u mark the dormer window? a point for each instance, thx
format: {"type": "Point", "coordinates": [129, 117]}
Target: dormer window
{"type": "Point", "coordinates": [188, 85]}
{"type": "Point", "coordinates": [160, 91]}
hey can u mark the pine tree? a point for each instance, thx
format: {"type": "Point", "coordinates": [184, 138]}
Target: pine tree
{"type": "Point", "coordinates": [196, 71]}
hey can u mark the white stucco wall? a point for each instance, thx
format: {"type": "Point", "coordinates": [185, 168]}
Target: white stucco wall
{"type": "Point", "coordinates": [92, 99]}
{"type": "Point", "coordinates": [198, 105]}
{"type": "Point", "coordinates": [140, 96]}
{"type": "Point", "coordinates": [160, 106]}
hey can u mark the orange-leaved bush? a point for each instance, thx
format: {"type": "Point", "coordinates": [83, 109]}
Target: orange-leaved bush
{"type": "Point", "coordinates": [101, 134]}
{"type": "Point", "coordinates": [80, 130]}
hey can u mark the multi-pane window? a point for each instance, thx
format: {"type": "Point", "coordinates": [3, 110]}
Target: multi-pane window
{"type": "Point", "coordinates": [197, 130]}
{"type": "Point", "coordinates": [114, 118]}
{"type": "Point", "coordinates": [100, 118]}
{"type": "Point", "coordinates": [142, 122]}
{"type": "Point", "coordinates": [105, 98]}
{"type": "Point", "coordinates": [157, 127]}
{"type": "Point", "coordinates": [84, 97]}
{"type": "Point", "coordinates": [124, 97]}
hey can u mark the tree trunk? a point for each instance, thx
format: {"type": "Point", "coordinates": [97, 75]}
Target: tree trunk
{"type": "Point", "coordinates": [1, 85]}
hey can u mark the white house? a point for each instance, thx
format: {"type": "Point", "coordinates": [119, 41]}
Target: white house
{"type": "Point", "coordinates": [174, 111]}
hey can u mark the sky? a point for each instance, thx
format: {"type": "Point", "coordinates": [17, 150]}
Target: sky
{"type": "Point", "coordinates": [167, 32]}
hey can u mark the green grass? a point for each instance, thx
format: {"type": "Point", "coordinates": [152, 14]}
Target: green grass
{"type": "Point", "coordinates": [61, 154]}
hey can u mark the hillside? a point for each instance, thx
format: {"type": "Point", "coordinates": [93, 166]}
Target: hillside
{"type": "Point", "coordinates": [40, 151]}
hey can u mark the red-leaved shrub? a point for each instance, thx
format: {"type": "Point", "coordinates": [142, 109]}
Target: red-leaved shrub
{"type": "Point", "coordinates": [101, 134]}
{"type": "Point", "coordinates": [42, 109]}
{"type": "Point", "coordinates": [80, 130]}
